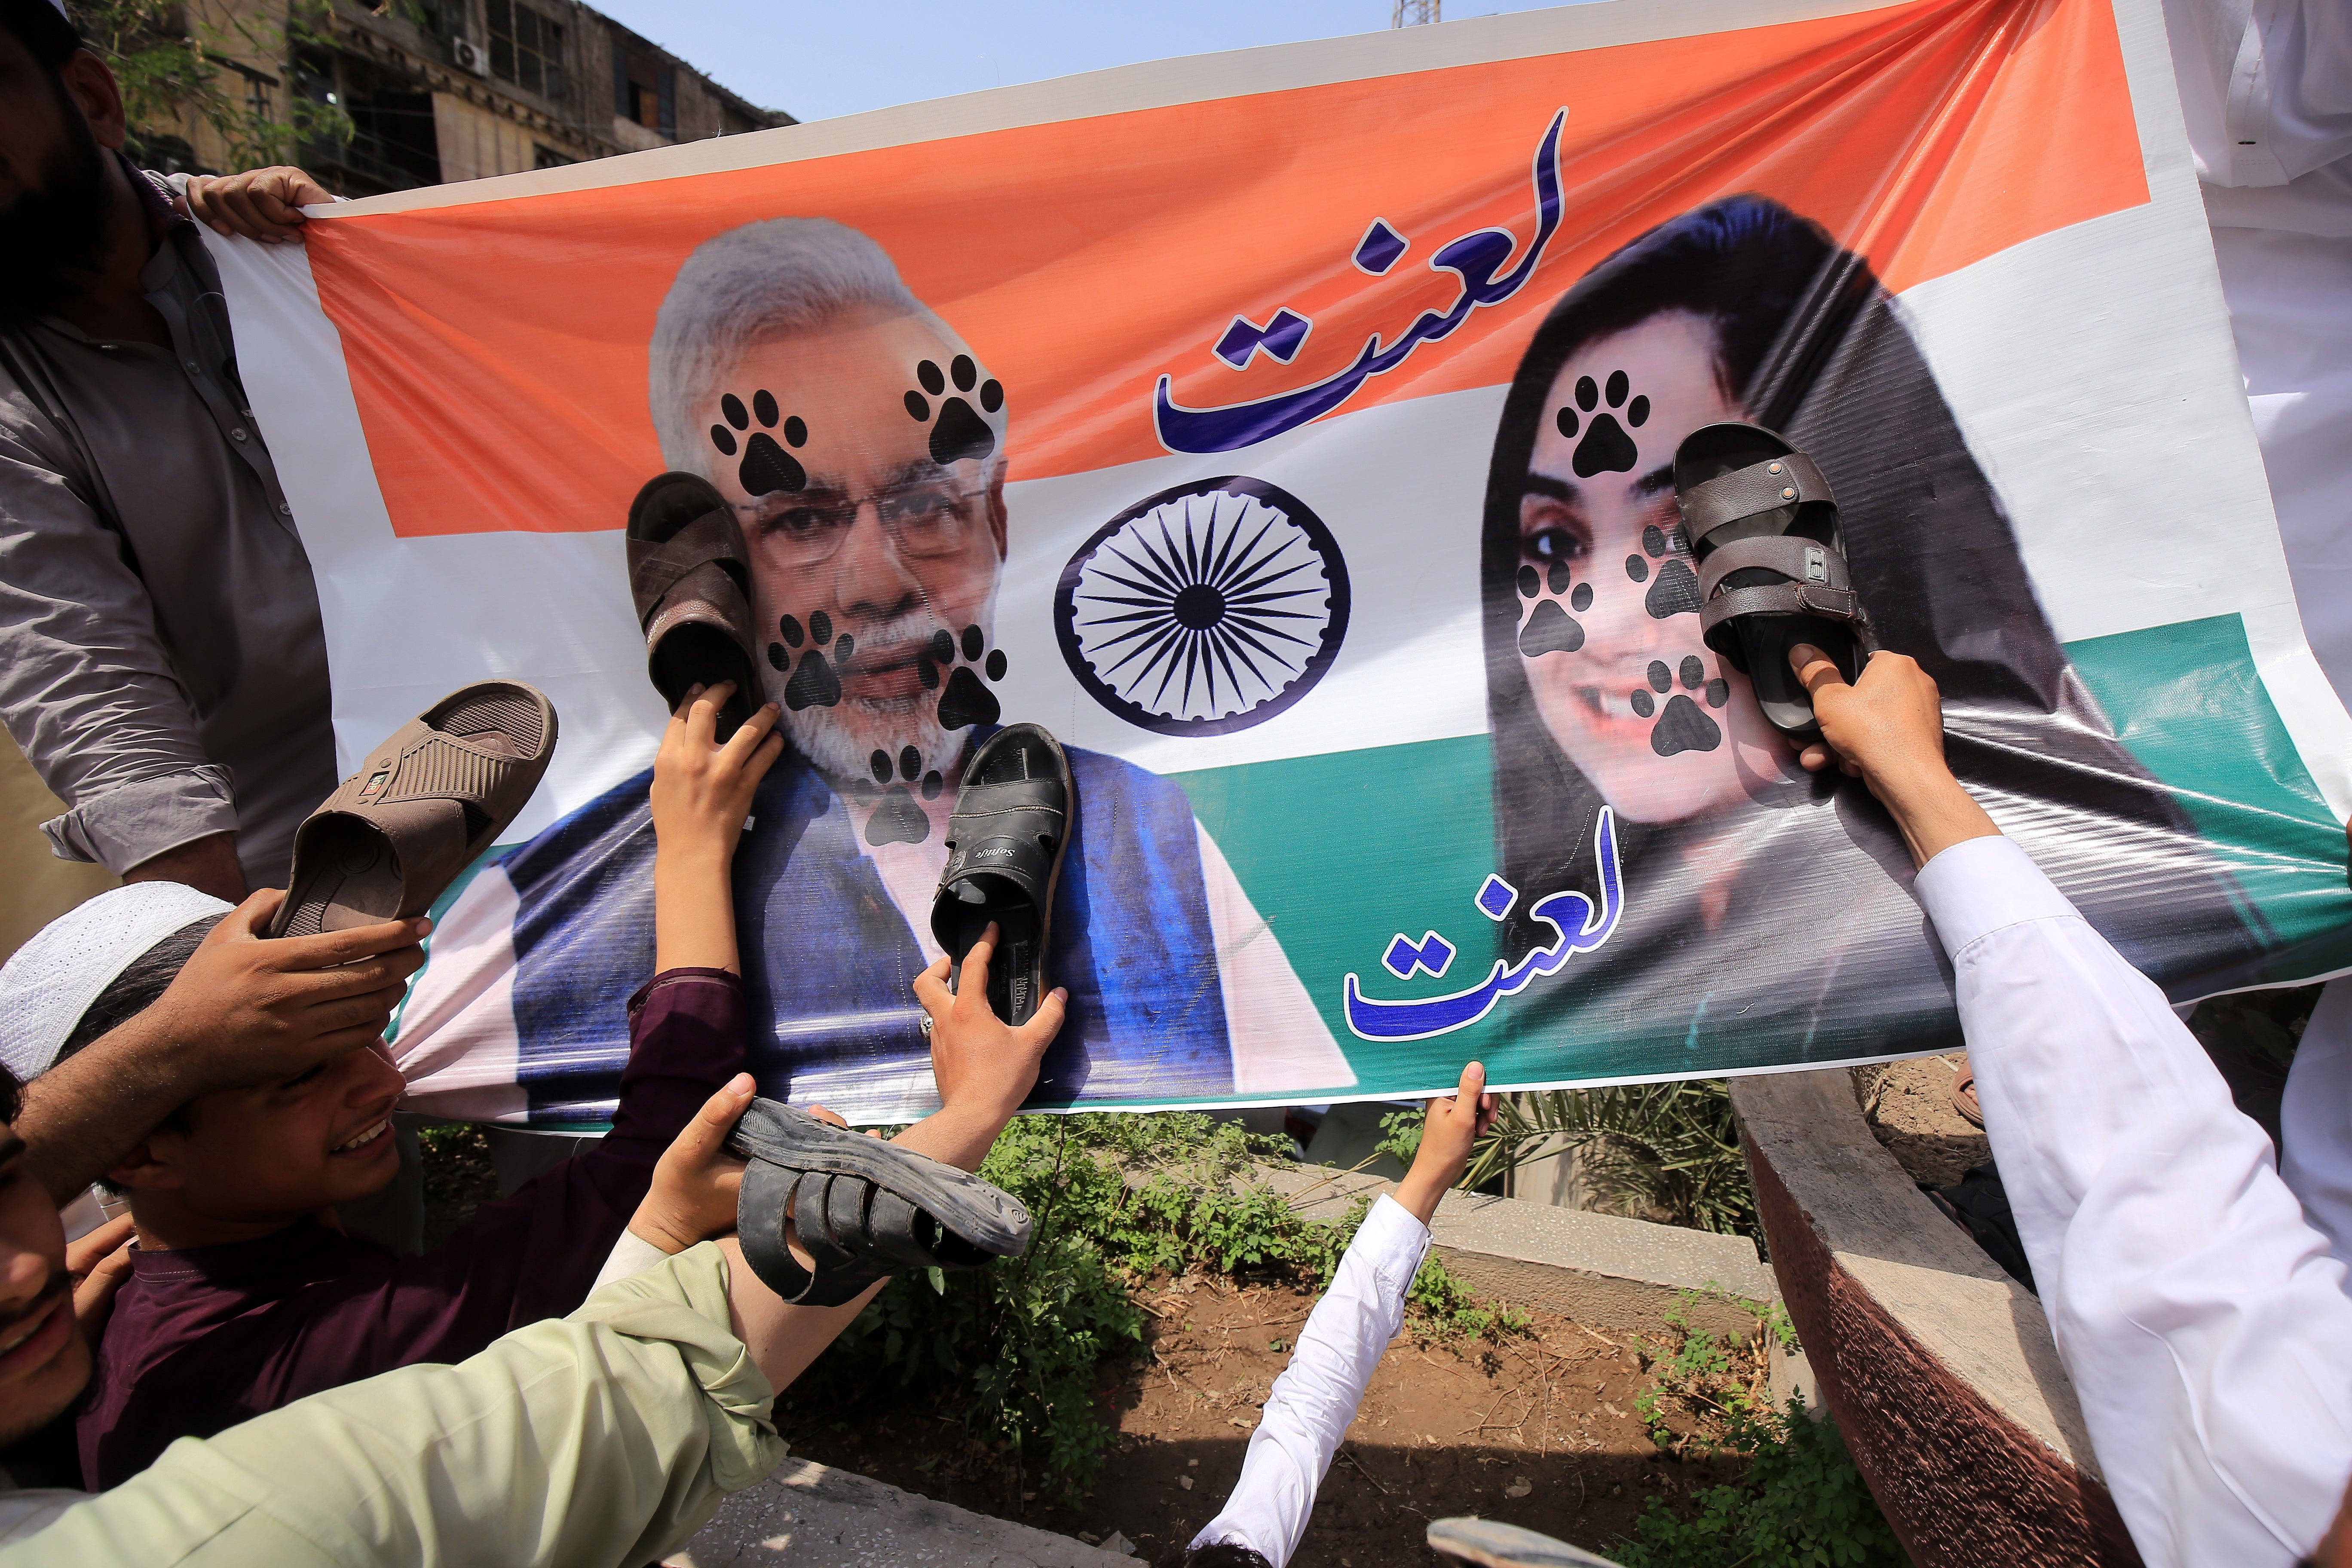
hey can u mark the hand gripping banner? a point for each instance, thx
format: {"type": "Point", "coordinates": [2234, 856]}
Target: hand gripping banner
{"type": "Point", "coordinates": [1291, 433]}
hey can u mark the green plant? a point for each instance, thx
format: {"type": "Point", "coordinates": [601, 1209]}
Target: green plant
{"type": "Point", "coordinates": [176, 69]}
{"type": "Point", "coordinates": [1400, 1135]}
{"type": "Point", "coordinates": [1801, 1503]}
{"type": "Point", "coordinates": [1669, 1150]}
{"type": "Point", "coordinates": [1444, 1306]}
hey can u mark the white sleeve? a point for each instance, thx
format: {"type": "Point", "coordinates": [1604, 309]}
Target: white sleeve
{"type": "Point", "coordinates": [2202, 1320]}
{"type": "Point", "coordinates": [1315, 1397]}
{"type": "Point", "coordinates": [2316, 1121]}
{"type": "Point", "coordinates": [630, 1256]}
{"type": "Point", "coordinates": [1280, 1043]}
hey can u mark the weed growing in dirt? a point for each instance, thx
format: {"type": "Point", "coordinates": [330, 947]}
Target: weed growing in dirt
{"type": "Point", "coordinates": [1013, 1350]}
{"type": "Point", "coordinates": [1801, 1503]}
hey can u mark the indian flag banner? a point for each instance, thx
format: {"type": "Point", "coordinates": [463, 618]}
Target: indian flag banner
{"type": "Point", "coordinates": [1291, 432]}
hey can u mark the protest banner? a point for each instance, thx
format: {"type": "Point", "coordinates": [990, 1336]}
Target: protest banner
{"type": "Point", "coordinates": [1291, 433]}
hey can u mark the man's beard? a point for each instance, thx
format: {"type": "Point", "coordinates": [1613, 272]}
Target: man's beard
{"type": "Point", "coordinates": [842, 740]}
{"type": "Point", "coordinates": [53, 236]}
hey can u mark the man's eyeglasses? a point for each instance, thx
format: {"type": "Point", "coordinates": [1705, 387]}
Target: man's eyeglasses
{"type": "Point", "coordinates": [925, 520]}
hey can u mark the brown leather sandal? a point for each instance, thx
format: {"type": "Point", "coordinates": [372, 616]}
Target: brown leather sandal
{"type": "Point", "coordinates": [692, 589]}
{"type": "Point", "coordinates": [422, 808]}
{"type": "Point", "coordinates": [1964, 1093]}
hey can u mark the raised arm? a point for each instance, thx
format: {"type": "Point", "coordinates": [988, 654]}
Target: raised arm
{"type": "Point", "coordinates": [2203, 1322]}
{"type": "Point", "coordinates": [1308, 1411]}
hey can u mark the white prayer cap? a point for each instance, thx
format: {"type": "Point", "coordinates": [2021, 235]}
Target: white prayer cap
{"type": "Point", "coordinates": [52, 980]}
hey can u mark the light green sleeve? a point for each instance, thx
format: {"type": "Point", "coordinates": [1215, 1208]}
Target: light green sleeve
{"type": "Point", "coordinates": [601, 1440]}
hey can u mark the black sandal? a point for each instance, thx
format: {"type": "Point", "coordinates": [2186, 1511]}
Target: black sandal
{"type": "Point", "coordinates": [1763, 528]}
{"type": "Point", "coordinates": [693, 594]}
{"type": "Point", "coordinates": [864, 1209]}
{"type": "Point", "coordinates": [1004, 859]}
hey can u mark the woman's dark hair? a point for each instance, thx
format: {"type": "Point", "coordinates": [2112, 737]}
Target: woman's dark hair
{"type": "Point", "coordinates": [42, 29]}
{"type": "Point", "coordinates": [1808, 343]}
{"type": "Point", "coordinates": [1743, 265]}
{"type": "Point", "coordinates": [134, 990]}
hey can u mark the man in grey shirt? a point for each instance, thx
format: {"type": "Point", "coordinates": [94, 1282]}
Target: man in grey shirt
{"type": "Point", "coordinates": [162, 662]}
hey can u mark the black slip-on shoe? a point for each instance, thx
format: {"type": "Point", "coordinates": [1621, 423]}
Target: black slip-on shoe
{"type": "Point", "coordinates": [1005, 841]}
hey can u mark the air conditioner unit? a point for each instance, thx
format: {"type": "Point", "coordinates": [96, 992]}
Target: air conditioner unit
{"type": "Point", "coordinates": [470, 56]}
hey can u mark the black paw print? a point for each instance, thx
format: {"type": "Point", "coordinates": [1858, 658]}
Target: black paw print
{"type": "Point", "coordinates": [965, 701]}
{"type": "Point", "coordinates": [816, 683]}
{"type": "Point", "coordinates": [961, 433]}
{"type": "Point", "coordinates": [896, 818]}
{"type": "Point", "coordinates": [1677, 590]}
{"type": "Point", "coordinates": [766, 466]}
{"type": "Point", "coordinates": [1549, 628]}
{"type": "Point", "coordinates": [1681, 727]}
{"type": "Point", "coordinates": [1606, 449]}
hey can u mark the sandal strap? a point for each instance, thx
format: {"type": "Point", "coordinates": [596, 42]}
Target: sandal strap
{"type": "Point", "coordinates": [1816, 583]}
{"type": "Point", "coordinates": [1789, 481]}
{"type": "Point", "coordinates": [839, 1191]}
{"type": "Point", "coordinates": [996, 829]}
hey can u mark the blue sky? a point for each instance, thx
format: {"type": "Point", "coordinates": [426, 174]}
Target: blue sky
{"type": "Point", "coordinates": [816, 61]}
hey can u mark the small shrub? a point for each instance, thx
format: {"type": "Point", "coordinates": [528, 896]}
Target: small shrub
{"type": "Point", "coordinates": [1801, 1503]}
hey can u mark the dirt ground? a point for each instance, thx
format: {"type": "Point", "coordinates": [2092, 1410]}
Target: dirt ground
{"type": "Point", "coordinates": [1538, 1430]}
{"type": "Point", "coordinates": [1909, 1107]}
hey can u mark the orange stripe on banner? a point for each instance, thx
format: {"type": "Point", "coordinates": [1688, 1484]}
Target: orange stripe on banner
{"type": "Point", "coordinates": [497, 349]}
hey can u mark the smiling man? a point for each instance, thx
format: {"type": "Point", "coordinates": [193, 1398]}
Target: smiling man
{"type": "Point", "coordinates": [862, 446]}
{"type": "Point", "coordinates": [244, 1294]}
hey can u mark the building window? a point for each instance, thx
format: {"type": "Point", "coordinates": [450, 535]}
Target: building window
{"type": "Point", "coordinates": [543, 156]}
{"type": "Point", "coordinates": [645, 87]}
{"type": "Point", "coordinates": [526, 49]}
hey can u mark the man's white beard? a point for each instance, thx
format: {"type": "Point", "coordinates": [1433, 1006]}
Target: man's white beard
{"type": "Point", "coordinates": [842, 740]}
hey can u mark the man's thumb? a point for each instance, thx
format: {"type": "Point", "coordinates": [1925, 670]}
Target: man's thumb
{"type": "Point", "coordinates": [1816, 670]}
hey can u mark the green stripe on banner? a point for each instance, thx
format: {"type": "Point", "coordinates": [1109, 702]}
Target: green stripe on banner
{"type": "Point", "coordinates": [1345, 852]}
{"type": "Point", "coordinates": [2188, 703]}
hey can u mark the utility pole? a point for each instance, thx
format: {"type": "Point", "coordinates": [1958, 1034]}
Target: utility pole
{"type": "Point", "coordinates": [1414, 13]}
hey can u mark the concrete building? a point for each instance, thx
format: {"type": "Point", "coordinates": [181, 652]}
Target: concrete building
{"type": "Point", "coordinates": [456, 90]}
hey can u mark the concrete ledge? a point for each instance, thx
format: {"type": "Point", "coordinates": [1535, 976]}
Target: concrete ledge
{"type": "Point", "coordinates": [811, 1516]}
{"type": "Point", "coordinates": [1939, 1368]}
{"type": "Point", "coordinates": [1595, 1268]}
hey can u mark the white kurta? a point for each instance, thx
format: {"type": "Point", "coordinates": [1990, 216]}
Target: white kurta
{"type": "Point", "coordinates": [2198, 1308]}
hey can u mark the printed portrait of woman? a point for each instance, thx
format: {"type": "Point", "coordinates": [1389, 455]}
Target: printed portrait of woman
{"type": "Point", "coordinates": [1767, 911]}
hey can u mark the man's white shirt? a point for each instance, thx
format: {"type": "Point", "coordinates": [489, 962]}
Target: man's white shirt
{"type": "Point", "coordinates": [2199, 1307]}
{"type": "Point", "coordinates": [1313, 1401]}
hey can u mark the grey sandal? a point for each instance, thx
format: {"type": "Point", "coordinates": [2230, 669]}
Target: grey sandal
{"type": "Point", "coordinates": [1491, 1543]}
{"type": "Point", "coordinates": [864, 1209]}
{"type": "Point", "coordinates": [692, 590]}
{"type": "Point", "coordinates": [1763, 527]}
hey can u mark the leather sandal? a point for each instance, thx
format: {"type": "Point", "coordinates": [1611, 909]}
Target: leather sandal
{"type": "Point", "coordinates": [862, 1208]}
{"type": "Point", "coordinates": [1005, 841]}
{"type": "Point", "coordinates": [422, 808]}
{"type": "Point", "coordinates": [692, 589]}
{"type": "Point", "coordinates": [1763, 527]}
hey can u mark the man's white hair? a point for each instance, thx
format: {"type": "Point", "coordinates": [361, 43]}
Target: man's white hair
{"type": "Point", "coordinates": [763, 281]}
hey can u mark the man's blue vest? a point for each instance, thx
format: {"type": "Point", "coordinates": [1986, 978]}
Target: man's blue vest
{"type": "Point", "coordinates": [829, 962]}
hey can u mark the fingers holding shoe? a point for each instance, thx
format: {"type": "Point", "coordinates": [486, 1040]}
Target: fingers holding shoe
{"type": "Point", "coordinates": [985, 1067]}
{"type": "Point", "coordinates": [1888, 730]}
